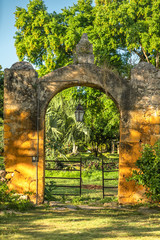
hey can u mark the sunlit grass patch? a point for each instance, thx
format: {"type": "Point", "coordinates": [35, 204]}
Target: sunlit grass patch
{"type": "Point", "coordinates": [48, 223]}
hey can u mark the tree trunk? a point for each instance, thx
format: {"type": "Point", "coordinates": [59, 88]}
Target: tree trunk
{"type": "Point", "coordinates": [157, 60]}
{"type": "Point", "coordinates": [145, 54]}
{"type": "Point", "coordinates": [74, 149]}
{"type": "Point", "coordinates": [113, 147]}
{"type": "Point", "coordinates": [96, 151]}
{"type": "Point", "coordinates": [118, 147]}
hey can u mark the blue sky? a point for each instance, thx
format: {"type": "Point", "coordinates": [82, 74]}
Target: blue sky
{"type": "Point", "coordinates": [7, 30]}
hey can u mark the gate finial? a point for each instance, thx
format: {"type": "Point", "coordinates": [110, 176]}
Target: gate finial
{"type": "Point", "coordinates": [84, 51]}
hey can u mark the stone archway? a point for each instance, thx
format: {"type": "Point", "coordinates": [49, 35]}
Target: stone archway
{"type": "Point", "coordinates": [137, 99]}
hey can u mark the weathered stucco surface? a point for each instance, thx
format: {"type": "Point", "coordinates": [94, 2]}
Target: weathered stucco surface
{"type": "Point", "coordinates": [137, 100]}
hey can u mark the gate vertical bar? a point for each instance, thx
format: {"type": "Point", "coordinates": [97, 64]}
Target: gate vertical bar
{"type": "Point", "coordinates": [103, 177]}
{"type": "Point", "coordinates": [80, 176]}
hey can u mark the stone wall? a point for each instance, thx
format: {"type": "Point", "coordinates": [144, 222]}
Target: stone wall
{"type": "Point", "coordinates": [140, 124]}
{"type": "Point", "coordinates": [137, 100]}
{"type": "Point", "coordinates": [20, 126]}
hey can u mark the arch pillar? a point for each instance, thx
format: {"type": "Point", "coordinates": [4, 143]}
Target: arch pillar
{"type": "Point", "coordinates": [140, 125]}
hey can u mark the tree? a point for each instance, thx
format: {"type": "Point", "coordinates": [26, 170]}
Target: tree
{"type": "Point", "coordinates": [31, 38]}
{"type": "Point", "coordinates": [135, 26]}
{"type": "Point", "coordinates": [101, 120]}
{"type": "Point", "coordinates": [109, 41]}
{"type": "Point", "coordinates": [101, 117]}
{"type": "Point", "coordinates": [116, 28]}
{"type": "Point", "coordinates": [48, 40]}
{"type": "Point", "coordinates": [139, 21]}
{"type": "Point", "coordinates": [62, 130]}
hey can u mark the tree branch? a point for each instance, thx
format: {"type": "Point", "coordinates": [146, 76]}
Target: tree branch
{"type": "Point", "coordinates": [144, 53]}
{"type": "Point", "coordinates": [139, 55]}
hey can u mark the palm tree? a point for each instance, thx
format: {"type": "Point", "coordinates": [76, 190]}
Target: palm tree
{"type": "Point", "coordinates": [61, 126]}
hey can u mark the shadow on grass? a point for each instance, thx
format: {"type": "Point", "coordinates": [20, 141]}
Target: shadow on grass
{"type": "Point", "coordinates": [81, 224]}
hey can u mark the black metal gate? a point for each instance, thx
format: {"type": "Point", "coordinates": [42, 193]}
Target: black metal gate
{"type": "Point", "coordinates": [110, 177]}
{"type": "Point", "coordinates": [52, 166]}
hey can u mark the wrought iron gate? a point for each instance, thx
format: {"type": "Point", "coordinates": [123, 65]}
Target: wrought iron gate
{"type": "Point", "coordinates": [68, 166]}
{"type": "Point", "coordinates": [110, 166]}
{"type": "Point", "coordinates": [109, 183]}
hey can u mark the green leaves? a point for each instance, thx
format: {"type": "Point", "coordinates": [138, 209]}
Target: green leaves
{"type": "Point", "coordinates": [101, 117]}
{"type": "Point", "coordinates": [101, 120]}
{"type": "Point", "coordinates": [148, 174]}
{"type": "Point", "coordinates": [12, 200]}
{"type": "Point", "coordinates": [30, 37]}
{"type": "Point", "coordinates": [115, 28]}
{"type": "Point", "coordinates": [48, 40]}
{"type": "Point", "coordinates": [62, 130]}
{"type": "Point", "coordinates": [141, 28]}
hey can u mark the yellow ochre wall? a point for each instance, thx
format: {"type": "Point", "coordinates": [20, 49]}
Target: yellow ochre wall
{"type": "Point", "coordinates": [137, 100]}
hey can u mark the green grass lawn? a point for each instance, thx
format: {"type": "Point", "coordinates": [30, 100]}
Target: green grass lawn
{"type": "Point", "coordinates": [49, 223]}
{"type": "Point", "coordinates": [62, 223]}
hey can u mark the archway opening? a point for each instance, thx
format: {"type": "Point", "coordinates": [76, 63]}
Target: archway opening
{"type": "Point", "coordinates": [81, 158]}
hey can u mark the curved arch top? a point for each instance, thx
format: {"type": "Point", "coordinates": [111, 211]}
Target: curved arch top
{"type": "Point", "coordinates": [138, 101]}
{"type": "Point", "coordinates": [84, 75]}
